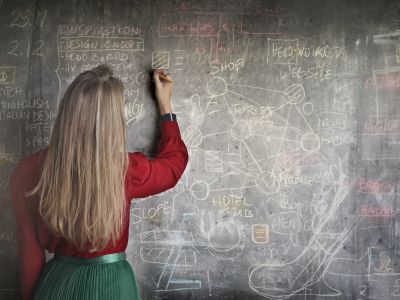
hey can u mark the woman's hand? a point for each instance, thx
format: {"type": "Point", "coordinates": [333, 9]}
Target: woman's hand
{"type": "Point", "coordinates": [163, 90]}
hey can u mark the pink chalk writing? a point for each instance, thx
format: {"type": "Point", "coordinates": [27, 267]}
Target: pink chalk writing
{"type": "Point", "coordinates": [371, 186]}
{"type": "Point", "coordinates": [381, 126]}
{"type": "Point", "coordinates": [389, 81]}
{"type": "Point", "coordinates": [290, 159]}
{"type": "Point", "coordinates": [376, 211]}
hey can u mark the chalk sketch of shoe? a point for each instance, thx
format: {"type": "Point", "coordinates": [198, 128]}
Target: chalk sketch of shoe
{"type": "Point", "coordinates": [276, 279]}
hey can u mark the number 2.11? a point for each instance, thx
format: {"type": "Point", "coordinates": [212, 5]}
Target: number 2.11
{"type": "Point", "coordinates": [22, 18]}
{"type": "Point", "coordinates": [18, 49]}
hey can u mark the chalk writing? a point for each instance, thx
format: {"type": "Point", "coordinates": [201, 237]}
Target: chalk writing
{"type": "Point", "coordinates": [7, 75]}
{"type": "Point", "coordinates": [381, 126]}
{"type": "Point", "coordinates": [103, 43]}
{"type": "Point", "coordinates": [288, 52]}
{"type": "Point", "coordinates": [24, 18]}
{"type": "Point", "coordinates": [91, 30]}
{"type": "Point", "coordinates": [389, 81]}
{"type": "Point", "coordinates": [7, 237]}
{"type": "Point", "coordinates": [371, 186]}
{"type": "Point", "coordinates": [232, 204]}
{"type": "Point", "coordinates": [376, 211]}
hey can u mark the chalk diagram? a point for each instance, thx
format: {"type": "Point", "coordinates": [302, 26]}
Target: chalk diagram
{"type": "Point", "coordinates": [276, 279]}
{"type": "Point", "coordinates": [248, 160]}
{"type": "Point", "coordinates": [245, 155]}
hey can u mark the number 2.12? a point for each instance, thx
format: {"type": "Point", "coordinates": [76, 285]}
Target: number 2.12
{"type": "Point", "coordinates": [16, 48]}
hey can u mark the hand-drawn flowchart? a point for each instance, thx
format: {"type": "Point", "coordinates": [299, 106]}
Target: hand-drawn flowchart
{"type": "Point", "coordinates": [268, 167]}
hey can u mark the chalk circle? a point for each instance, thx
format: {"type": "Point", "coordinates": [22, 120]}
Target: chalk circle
{"type": "Point", "coordinates": [310, 142]}
{"type": "Point", "coordinates": [199, 190]}
{"type": "Point", "coordinates": [272, 280]}
{"type": "Point", "coordinates": [224, 237]}
{"type": "Point", "coordinates": [240, 130]}
{"type": "Point", "coordinates": [320, 207]}
{"type": "Point", "coordinates": [216, 86]}
{"type": "Point", "coordinates": [192, 136]}
{"type": "Point", "coordinates": [308, 108]}
{"type": "Point", "coordinates": [294, 94]}
{"type": "Point", "coordinates": [267, 183]}
{"type": "Point", "coordinates": [308, 224]}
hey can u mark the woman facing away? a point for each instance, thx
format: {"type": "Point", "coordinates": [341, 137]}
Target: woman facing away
{"type": "Point", "coordinates": [73, 197]}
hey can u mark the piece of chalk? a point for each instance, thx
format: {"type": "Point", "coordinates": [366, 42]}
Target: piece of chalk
{"type": "Point", "coordinates": [164, 77]}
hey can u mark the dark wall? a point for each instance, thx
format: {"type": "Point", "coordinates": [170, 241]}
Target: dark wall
{"type": "Point", "coordinates": [289, 109]}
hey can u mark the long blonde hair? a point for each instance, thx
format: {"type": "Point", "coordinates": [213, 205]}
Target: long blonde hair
{"type": "Point", "coordinates": [82, 195]}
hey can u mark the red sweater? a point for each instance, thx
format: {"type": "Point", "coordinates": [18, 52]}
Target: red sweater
{"type": "Point", "coordinates": [144, 178]}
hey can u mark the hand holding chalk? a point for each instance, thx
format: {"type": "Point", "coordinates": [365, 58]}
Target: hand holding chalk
{"type": "Point", "coordinates": [165, 78]}
{"type": "Point", "coordinates": [164, 83]}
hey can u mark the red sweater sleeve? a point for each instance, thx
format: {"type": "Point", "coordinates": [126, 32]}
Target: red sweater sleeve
{"type": "Point", "coordinates": [147, 177]}
{"type": "Point", "coordinates": [31, 255]}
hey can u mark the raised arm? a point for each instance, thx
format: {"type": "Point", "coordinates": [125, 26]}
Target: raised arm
{"type": "Point", "coordinates": [147, 177]}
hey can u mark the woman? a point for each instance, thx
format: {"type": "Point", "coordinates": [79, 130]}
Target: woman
{"type": "Point", "coordinates": [73, 197]}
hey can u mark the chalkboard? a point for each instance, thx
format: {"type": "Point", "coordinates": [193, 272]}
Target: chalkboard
{"type": "Point", "coordinates": [290, 112]}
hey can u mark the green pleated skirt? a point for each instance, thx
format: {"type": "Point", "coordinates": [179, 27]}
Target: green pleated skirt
{"type": "Point", "coordinates": [71, 278]}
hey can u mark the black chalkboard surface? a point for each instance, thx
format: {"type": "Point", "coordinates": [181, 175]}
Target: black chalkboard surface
{"type": "Point", "coordinates": [290, 111]}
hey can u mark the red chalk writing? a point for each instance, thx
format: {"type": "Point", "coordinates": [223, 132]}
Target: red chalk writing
{"type": "Point", "coordinates": [388, 81]}
{"type": "Point", "coordinates": [376, 211]}
{"type": "Point", "coordinates": [371, 186]}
